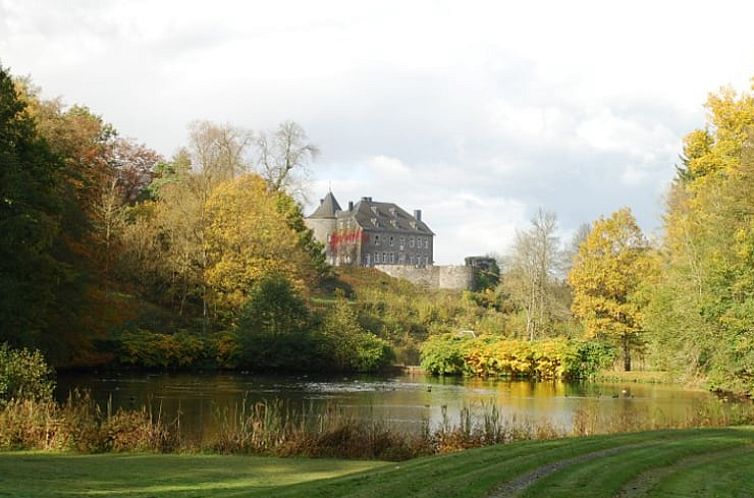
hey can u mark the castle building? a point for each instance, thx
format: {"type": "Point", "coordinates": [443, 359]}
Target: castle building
{"type": "Point", "coordinates": [371, 233]}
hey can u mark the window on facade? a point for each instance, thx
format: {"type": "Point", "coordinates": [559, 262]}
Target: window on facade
{"type": "Point", "coordinates": [391, 240]}
{"type": "Point", "coordinates": [384, 257]}
{"type": "Point", "coordinates": [376, 240]}
{"type": "Point", "coordinates": [402, 245]}
{"type": "Point", "coordinates": [369, 260]}
{"type": "Point", "coordinates": [426, 243]}
{"type": "Point", "coordinates": [410, 242]}
{"type": "Point", "coordinates": [402, 259]}
{"type": "Point", "coordinates": [377, 258]}
{"type": "Point", "coordinates": [411, 259]}
{"type": "Point", "coordinates": [392, 257]}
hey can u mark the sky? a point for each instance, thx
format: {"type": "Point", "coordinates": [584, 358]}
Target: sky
{"type": "Point", "coordinates": [478, 113]}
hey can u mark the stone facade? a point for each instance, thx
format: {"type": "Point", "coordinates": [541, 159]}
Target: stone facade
{"type": "Point", "coordinates": [371, 233]}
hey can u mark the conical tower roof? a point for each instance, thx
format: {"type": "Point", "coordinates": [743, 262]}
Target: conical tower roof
{"type": "Point", "coordinates": [327, 207]}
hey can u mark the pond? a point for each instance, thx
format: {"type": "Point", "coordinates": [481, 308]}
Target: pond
{"type": "Point", "coordinates": [404, 402]}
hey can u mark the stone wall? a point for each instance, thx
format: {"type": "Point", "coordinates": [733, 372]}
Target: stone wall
{"type": "Point", "coordinates": [456, 277]}
{"type": "Point", "coordinates": [434, 277]}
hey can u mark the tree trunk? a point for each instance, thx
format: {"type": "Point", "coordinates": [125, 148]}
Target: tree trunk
{"type": "Point", "coordinates": [626, 355]}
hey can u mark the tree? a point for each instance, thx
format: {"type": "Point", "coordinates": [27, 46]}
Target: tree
{"type": "Point", "coordinates": [89, 218]}
{"type": "Point", "coordinates": [273, 328]}
{"type": "Point", "coordinates": [609, 269]}
{"type": "Point", "coordinates": [218, 152]}
{"type": "Point", "coordinates": [346, 345]}
{"type": "Point", "coordinates": [700, 311]}
{"type": "Point", "coordinates": [531, 277]}
{"type": "Point", "coordinates": [134, 167]}
{"type": "Point", "coordinates": [249, 238]}
{"type": "Point", "coordinates": [282, 157]}
{"type": "Point", "coordinates": [273, 308]}
{"type": "Point", "coordinates": [30, 212]}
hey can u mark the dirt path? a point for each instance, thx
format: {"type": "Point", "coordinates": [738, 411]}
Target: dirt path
{"type": "Point", "coordinates": [643, 484]}
{"type": "Point", "coordinates": [517, 485]}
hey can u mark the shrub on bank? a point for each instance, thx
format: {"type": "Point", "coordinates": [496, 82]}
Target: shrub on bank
{"type": "Point", "coordinates": [24, 375]}
{"type": "Point", "coordinates": [145, 348]}
{"type": "Point", "coordinates": [450, 354]}
{"type": "Point", "coordinates": [346, 345]}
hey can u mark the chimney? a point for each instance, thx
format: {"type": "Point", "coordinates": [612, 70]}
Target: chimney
{"type": "Point", "coordinates": [321, 201]}
{"type": "Point", "coordinates": [350, 205]}
{"type": "Point", "coordinates": [418, 214]}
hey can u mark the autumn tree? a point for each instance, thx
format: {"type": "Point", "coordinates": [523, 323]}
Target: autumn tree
{"type": "Point", "coordinates": [611, 265]}
{"type": "Point", "coordinates": [282, 157]}
{"type": "Point", "coordinates": [248, 238]}
{"type": "Point", "coordinates": [218, 152]}
{"type": "Point", "coordinates": [531, 275]}
{"type": "Point", "coordinates": [700, 311]}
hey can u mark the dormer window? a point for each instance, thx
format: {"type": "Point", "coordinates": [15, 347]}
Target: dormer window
{"type": "Point", "coordinates": [374, 209]}
{"type": "Point", "coordinates": [392, 211]}
{"type": "Point", "coordinates": [413, 225]}
{"type": "Point", "coordinates": [374, 221]}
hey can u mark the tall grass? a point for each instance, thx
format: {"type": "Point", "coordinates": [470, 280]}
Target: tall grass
{"type": "Point", "coordinates": [282, 429]}
{"type": "Point", "coordinates": [80, 424]}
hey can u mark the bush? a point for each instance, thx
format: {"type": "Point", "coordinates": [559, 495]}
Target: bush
{"type": "Point", "coordinates": [494, 357]}
{"type": "Point", "coordinates": [444, 355]}
{"type": "Point", "coordinates": [273, 329]}
{"type": "Point", "coordinates": [149, 349]}
{"type": "Point", "coordinates": [346, 345]}
{"type": "Point", "coordinates": [24, 375]}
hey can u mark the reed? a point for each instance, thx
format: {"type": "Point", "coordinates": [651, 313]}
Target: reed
{"type": "Point", "coordinates": [285, 429]}
{"type": "Point", "coordinates": [81, 425]}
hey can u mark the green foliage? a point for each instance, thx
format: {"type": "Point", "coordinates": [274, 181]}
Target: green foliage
{"type": "Point", "coordinates": [591, 358]}
{"type": "Point", "coordinates": [24, 375]}
{"type": "Point", "coordinates": [700, 313]}
{"type": "Point", "coordinates": [444, 355]}
{"type": "Point", "coordinates": [30, 221]}
{"type": "Point", "coordinates": [276, 331]}
{"type": "Point", "coordinates": [273, 308]}
{"type": "Point", "coordinates": [494, 357]}
{"type": "Point", "coordinates": [148, 349]}
{"type": "Point", "coordinates": [347, 345]}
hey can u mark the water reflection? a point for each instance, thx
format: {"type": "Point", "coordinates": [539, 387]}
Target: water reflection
{"type": "Point", "coordinates": [405, 402]}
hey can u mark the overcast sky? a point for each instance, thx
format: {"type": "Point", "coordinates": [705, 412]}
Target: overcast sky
{"type": "Point", "coordinates": [477, 113]}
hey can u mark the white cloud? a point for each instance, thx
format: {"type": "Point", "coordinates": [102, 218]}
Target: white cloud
{"type": "Point", "coordinates": [477, 112]}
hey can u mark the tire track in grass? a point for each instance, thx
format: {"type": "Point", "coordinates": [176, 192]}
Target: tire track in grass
{"type": "Point", "coordinates": [644, 483]}
{"type": "Point", "coordinates": [519, 484]}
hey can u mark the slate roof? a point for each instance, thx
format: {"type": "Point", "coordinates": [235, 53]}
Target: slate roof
{"type": "Point", "coordinates": [371, 215]}
{"type": "Point", "coordinates": [327, 208]}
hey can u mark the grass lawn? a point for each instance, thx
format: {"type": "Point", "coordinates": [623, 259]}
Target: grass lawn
{"type": "Point", "coordinates": [35, 474]}
{"type": "Point", "coordinates": [703, 462]}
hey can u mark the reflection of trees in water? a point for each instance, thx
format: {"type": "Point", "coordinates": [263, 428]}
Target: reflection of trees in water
{"type": "Point", "coordinates": [402, 402]}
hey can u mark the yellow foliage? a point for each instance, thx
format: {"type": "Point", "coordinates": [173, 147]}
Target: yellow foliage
{"type": "Point", "coordinates": [248, 237]}
{"type": "Point", "coordinates": [612, 263]}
